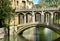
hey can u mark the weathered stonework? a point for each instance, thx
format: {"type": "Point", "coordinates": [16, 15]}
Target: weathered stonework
{"type": "Point", "coordinates": [18, 4]}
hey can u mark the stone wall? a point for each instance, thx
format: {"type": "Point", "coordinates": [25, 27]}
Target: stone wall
{"type": "Point", "coordinates": [2, 32]}
{"type": "Point", "coordinates": [13, 30]}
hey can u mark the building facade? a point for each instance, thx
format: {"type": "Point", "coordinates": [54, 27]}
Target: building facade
{"type": "Point", "coordinates": [18, 5]}
{"type": "Point", "coordinates": [22, 4]}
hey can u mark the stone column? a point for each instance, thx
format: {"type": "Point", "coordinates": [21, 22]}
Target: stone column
{"type": "Point", "coordinates": [25, 18]}
{"type": "Point", "coordinates": [51, 20]}
{"type": "Point", "coordinates": [33, 17]}
{"type": "Point", "coordinates": [42, 17]}
{"type": "Point", "coordinates": [46, 18]}
{"type": "Point", "coordinates": [16, 20]}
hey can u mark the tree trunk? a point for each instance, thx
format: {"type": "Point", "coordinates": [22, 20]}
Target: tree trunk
{"type": "Point", "coordinates": [0, 23]}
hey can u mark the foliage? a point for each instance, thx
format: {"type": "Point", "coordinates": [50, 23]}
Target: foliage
{"type": "Point", "coordinates": [6, 12]}
{"type": "Point", "coordinates": [48, 3]}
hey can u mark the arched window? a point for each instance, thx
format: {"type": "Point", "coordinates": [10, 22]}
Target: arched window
{"type": "Point", "coordinates": [28, 17]}
{"type": "Point", "coordinates": [38, 17]}
{"type": "Point", "coordinates": [24, 4]}
{"type": "Point", "coordinates": [56, 18]}
{"type": "Point", "coordinates": [21, 18]}
{"type": "Point", "coordinates": [47, 17]}
{"type": "Point", "coordinates": [17, 3]}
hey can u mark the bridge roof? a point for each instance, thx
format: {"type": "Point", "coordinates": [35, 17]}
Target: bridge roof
{"type": "Point", "coordinates": [37, 9]}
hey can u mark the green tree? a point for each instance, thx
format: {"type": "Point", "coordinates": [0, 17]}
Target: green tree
{"type": "Point", "coordinates": [48, 3]}
{"type": "Point", "coordinates": [6, 12]}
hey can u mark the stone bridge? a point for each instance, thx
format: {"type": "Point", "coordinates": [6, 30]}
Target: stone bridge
{"type": "Point", "coordinates": [24, 27]}
{"type": "Point", "coordinates": [46, 17]}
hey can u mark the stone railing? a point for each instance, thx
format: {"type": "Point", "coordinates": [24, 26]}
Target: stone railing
{"type": "Point", "coordinates": [37, 9]}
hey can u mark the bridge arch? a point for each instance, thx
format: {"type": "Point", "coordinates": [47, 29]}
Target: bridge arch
{"type": "Point", "coordinates": [52, 27]}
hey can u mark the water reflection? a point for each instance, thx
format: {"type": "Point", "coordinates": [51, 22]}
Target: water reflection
{"type": "Point", "coordinates": [21, 38]}
{"type": "Point", "coordinates": [44, 34]}
{"type": "Point", "coordinates": [18, 38]}
{"type": "Point", "coordinates": [13, 38]}
{"type": "Point", "coordinates": [48, 34]}
{"type": "Point", "coordinates": [1, 39]}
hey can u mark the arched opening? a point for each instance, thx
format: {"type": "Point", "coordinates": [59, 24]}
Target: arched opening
{"type": "Point", "coordinates": [40, 25]}
{"type": "Point", "coordinates": [56, 18]}
{"type": "Point", "coordinates": [28, 18]}
{"type": "Point", "coordinates": [24, 4]}
{"type": "Point", "coordinates": [21, 18]}
{"type": "Point", "coordinates": [17, 3]}
{"type": "Point", "coordinates": [46, 30]}
{"type": "Point", "coordinates": [47, 17]}
{"type": "Point", "coordinates": [38, 17]}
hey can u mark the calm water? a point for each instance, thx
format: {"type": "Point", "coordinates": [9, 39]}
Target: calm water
{"type": "Point", "coordinates": [44, 35]}
{"type": "Point", "coordinates": [13, 38]}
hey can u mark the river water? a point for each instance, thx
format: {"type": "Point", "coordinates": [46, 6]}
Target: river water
{"type": "Point", "coordinates": [13, 38]}
{"type": "Point", "coordinates": [44, 35]}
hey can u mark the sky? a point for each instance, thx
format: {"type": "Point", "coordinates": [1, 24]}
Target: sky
{"type": "Point", "coordinates": [35, 1]}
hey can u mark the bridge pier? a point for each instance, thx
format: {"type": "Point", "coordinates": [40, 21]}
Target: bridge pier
{"type": "Point", "coordinates": [13, 30]}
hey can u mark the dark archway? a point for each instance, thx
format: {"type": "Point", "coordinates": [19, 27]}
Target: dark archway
{"type": "Point", "coordinates": [28, 17]}
{"type": "Point", "coordinates": [57, 18]}
{"type": "Point", "coordinates": [37, 17]}
{"type": "Point", "coordinates": [21, 18]}
{"type": "Point", "coordinates": [47, 17]}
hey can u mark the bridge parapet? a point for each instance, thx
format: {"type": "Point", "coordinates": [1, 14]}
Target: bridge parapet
{"type": "Point", "coordinates": [38, 9]}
